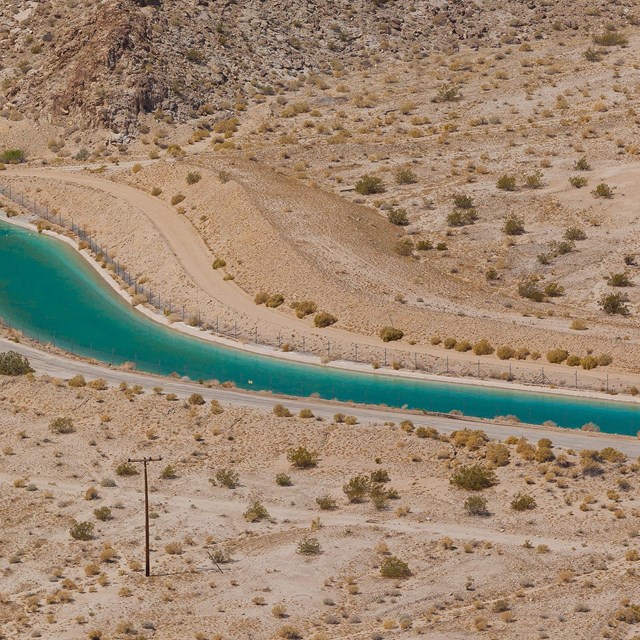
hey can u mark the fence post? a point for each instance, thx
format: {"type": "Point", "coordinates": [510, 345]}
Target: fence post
{"type": "Point", "coordinates": [356, 347]}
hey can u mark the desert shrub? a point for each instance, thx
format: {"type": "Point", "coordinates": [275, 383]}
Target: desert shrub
{"type": "Point", "coordinates": [102, 513]}
{"type": "Point", "coordinates": [283, 480]}
{"type": "Point", "coordinates": [289, 632]}
{"type": "Point", "coordinates": [483, 348]}
{"type": "Point", "coordinates": [82, 531]}
{"type": "Point", "coordinates": [281, 411]}
{"type": "Point", "coordinates": [398, 217]}
{"type": "Point", "coordinates": [506, 182]}
{"type": "Point", "coordinates": [513, 225]}
{"type": "Point", "coordinates": [77, 381]}
{"type": "Point", "coordinates": [275, 300]}
{"type": "Point", "coordinates": [327, 503]}
{"type": "Point", "coordinates": [309, 547]}
{"type": "Point", "coordinates": [324, 319]}
{"type": "Point", "coordinates": [491, 274]}
{"type": "Point", "coordinates": [227, 478]}
{"type": "Point", "coordinates": [193, 177]}
{"type": "Point", "coordinates": [611, 39]}
{"type": "Point", "coordinates": [588, 362]}
{"type": "Point", "coordinates": [126, 469]}
{"type": "Point", "coordinates": [219, 263]}
{"type": "Point", "coordinates": [533, 180]}
{"type": "Point", "coordinates": [609, 454]}
{"type": "Point", "coordinates": [256, 512]}
{"type": "Point", "coordinates": [305, 413]}
{"type": "Point", "coordinates": [447, 93]}
{"type": "Point", "coordinates": [100, 384]}
{"type": "Point", "coordinates": [472, 439]}
{"type": "Point", "coordinates": [463, 201]}
{"type": "Point", "coordinates": [615, 303]}
{"type": "Point", "coordinates": [403, 247]}
{"type": "Point", "coordinates": [523, 502]}
{"type": "Point", "coordinates": [618, 280]}
{"type": "Point", "coordinates": [462, 217]}
{"type": "Point", "coordinates": [12, 156]}
{"type": "Point", "coordinates": [476, 506]}
{"type": "Point", "coordinates": [498, 454]}
{"type": "Point", "coordinates": [505, 352]}
{"type": "Point", "coordinates": [177, 199]}
{"type": "Point", "coordinates": [14, 364]}
{"type": "Point", "coordinates": [582, 164]}
{"type": "Point", "coordinates": [578, 325]}
{"type": "Point", "coordinates": [380, 475]}
{"type": "Point", "coordinates": [424, 245]}
{"type": "Point", "coordinates": [578, 181]}
{"type": "Point", "coordinates": [369, 184]}
{"type": "Point", "coordinates": [168, 473]}
{"type": "Point", "coordinates": [261, 297]}
{"type": "Point", "coordinates": [390, 334]}
{"type": "Point", "coordinates": [557, 356]}
{"type": "Point", "coordinates": [303, 458]}
{"type": "Point", "coordinates": [404, 175]}
{"type": "Point", "coordinates": [574, 234]}
{"type": "Point", "coordinates": [442, 246]}
{"type": "Point", "coordinates": [62, 425]}
{"type": "Point", "coordinates": [156, 191]}
{"type": "Point", "coordinates": [428, 432]}
{"type": "Point", "coordinates": [473, 477]}
{"type": "Point", "coordinates": [357, 488]}
{"type": "Point", "coordinates": [196, 399]}
{"type": "Point", "coordinates": [573, 361]}
{"type": "Point", "coordinates": [553, 290]}
{"type": "Point", "coordinates": [449, 343]}
{"type": "Point", "coordinates": [394, 567]}
{"type": "Point", "coordinates": [603, 190]}
{"type": "Point", "coordinates": [305, 308]}
{"type": "Point", "coordinates": [530, 289]}
{"type": "Point", "coordinates": [604, 359]}
{"type": "Point", "coordinates": [463, 346]}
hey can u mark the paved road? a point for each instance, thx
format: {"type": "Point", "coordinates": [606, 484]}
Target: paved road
{"type": "Point", "coordinates": [63, 367]}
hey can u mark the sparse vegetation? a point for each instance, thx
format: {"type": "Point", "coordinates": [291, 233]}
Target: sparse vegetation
{"type": "Point", "coordinates": [390, 334]}
{"type": "Point", "coordinates": [14, 364]}
{"type": "Point", "coordinates": [368, 185]}
{"type": "Point", "coordinates": [473, 477]}
{"type": "Point", "coordinates": [303, 458]}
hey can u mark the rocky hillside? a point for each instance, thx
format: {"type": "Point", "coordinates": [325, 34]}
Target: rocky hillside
{"type": "Point", "coordinates": [105, 63]}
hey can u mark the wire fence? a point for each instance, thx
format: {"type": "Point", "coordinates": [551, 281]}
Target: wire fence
{"type": "Point", "coordinates": [327, 349]}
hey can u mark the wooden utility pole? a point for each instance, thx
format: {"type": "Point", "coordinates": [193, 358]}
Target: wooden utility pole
{"type": "Point", "coordinates": [145, 461]}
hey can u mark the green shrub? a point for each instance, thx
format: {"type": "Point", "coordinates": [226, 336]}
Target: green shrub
{"type": "Point", "coordinates": [473, 478]}
{"type": "Point", "coordinates": [403, 247]}
{"type": "Point", "coordinates": [357, 488]}
{"type": "Point", "coordinates": [573, 361]}
{"type": "Point", "coordinates": [14, 364]}
{"type": "Point", "coordinates": [256, 512]}
{"type": "Point", "coordinates": [305, 414]}
{"type": "Point", "coordinates": [12, 156]}
{"type": "Point", "coordinates": [530, 289]}
{"type": "Point", "coordinates": [368, 185]}
{"type": "Point", "coordinates": [523, 502]}
{"type": "Point", "coordinates": [533, 180]}
{"type": "Point", "coordinates": [615, 303]}
{"type": "Point", "coordinates": [609, 454]}
{"type": "Point", "coordinates": [193, 177]}
{"type": "Point", "coordinates": [303, 458]}
{"type": "Point", "coordinates": [126, 469]}
{"type": "Point", "coordinates": [280, 411]}
{"type": "Point", "coordinates": [324, 319]}
{"type": "Point", "coordinates": [619, 280]}
{"type": "Point", "coordinates": [219, 263]}
{"type": "Point", "coordinates": [275, 300]}
{"type": "Point", "coordinates": [398, 217]}
{"type": "Point", "coordinates": [581, 164]}
{"type": "Point", "coordinates": [513, 225]}
{"type": "Point", "coordinates": [442, 246]}
{"type": "Point", "coordinates": [578, 181]}
{"type": "Point", "coordinates": [476, 506]}
{"type": "Point", "coordinates": [603, 190]}
{"type": "Point", "coordinates": [462, 217]}
{"type": "Point", "coordinates": [404, 175]}
{"type": "Point", "coordinates": [327, 503]}
{"type": "Point", "coordinates": [103, 514]}
{"type": "Point", "coordinates": [156, 191]}
{"type": "Point", "coordinates": [227, 478]}
{"type": "Point", "coordinates": [380, 475]}
{"type": "Point", "coordinates": [447, 93]}
{"type": "Point", "coordinates": [574, 234]}
{"type": "Point", "coordinates": [463, 201]}
{"type": "Point", "coordinates": [506, 182]}
{"type": "Point", "coordinates": [391, 334]}
{"type": "Point", "coordinates": [498, 454]}
{"type": "Point", "coordinates": [82, 531]}
{"type": "Point", "coordinates": [177, 199]}
{"type": "Point", "coordinates": [428, 432]}
{"type": "Point", "coordinates": [309, 547]}
{"type": "Point", "coordinates": [62, 425]}
{"type": "Point", "coordinates": [283, 480]}
{"type": "Point", "coordinates": [424, 245]}
{"type": "Point", "coordinates": [557, 356]}
{"type": "Point", "coordinates": [553, 290]}
{"type": "Point", "coordinates": [261, 297]}
{"type": "Point", "coordinates": [588, 362]}
{"type": "Point", "coordinates": [393, 567]}
{"type": "Point", "coordinates": [483, 348]}
{"type": "Point", "coordinates": [604, 360]}
{"type": "Point", "coordinates": [168, 473]}
{"type": "Point", "coordinates": [196, 399]}
{"type": "Point", "coordinates": [463, 346]}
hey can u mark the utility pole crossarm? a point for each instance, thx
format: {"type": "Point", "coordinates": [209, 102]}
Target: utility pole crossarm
{"type": "Point", "coordinates": [144, 461]}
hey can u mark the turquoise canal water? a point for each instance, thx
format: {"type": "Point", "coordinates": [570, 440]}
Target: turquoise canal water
{"type": "Point", "coordinates": [49, 292]}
